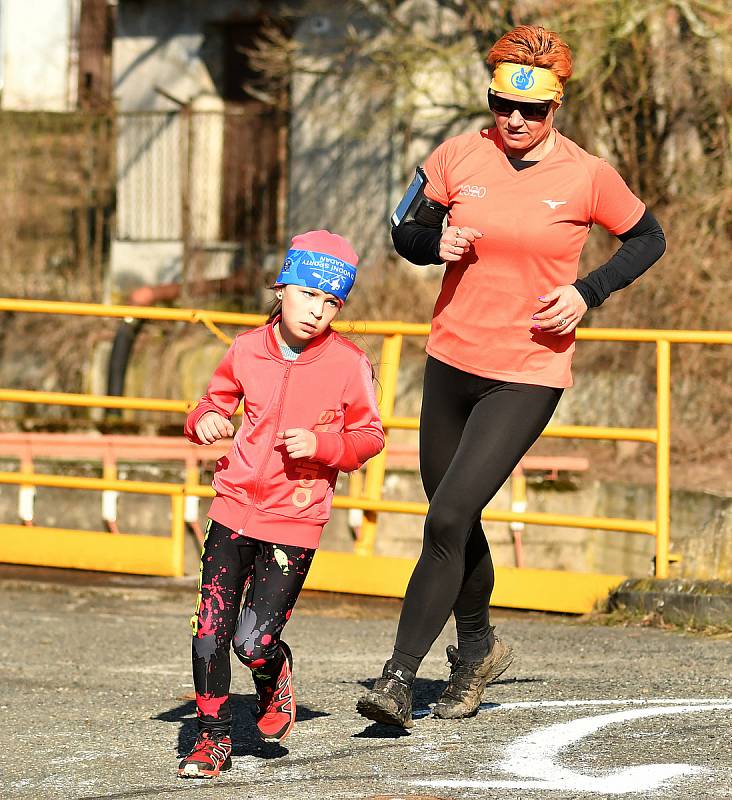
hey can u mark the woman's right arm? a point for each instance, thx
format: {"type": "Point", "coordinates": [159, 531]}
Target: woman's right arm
{"type": "Point", "coordinates": [419, 239]}
{"type": "Point", "coordinates": [423, 240]}
{"type": "Point", "coordinates": [223, 395]}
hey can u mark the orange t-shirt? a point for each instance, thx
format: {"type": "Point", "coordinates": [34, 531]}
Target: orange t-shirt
{"type": "Point", "coordinates": [535, 223]}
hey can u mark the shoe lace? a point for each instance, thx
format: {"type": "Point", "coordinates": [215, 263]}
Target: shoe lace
{"type": "Point", "coordinates": [265, 697]}
{"type": "Point", "coordinates": [271, 694]}
{"type": "Point", "coordinates": [460, 680]}
{"type": "Point", "coordinates": [207, 740]}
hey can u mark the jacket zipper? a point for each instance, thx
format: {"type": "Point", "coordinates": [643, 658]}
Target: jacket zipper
{"type": "Point", "coordinates": [274, 436]}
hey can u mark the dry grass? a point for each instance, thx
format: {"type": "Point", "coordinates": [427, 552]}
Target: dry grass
{"type": "Point", "coordinates": [56, 196]}
{"type": "Point", "coordinates": [631, 618]}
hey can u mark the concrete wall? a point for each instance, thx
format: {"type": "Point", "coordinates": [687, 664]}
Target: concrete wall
{"type": "Point", "coordinates": [158, 46]}
{"type": "Point", "coordinates": [341, 144]}
{"type": "Point", "coordinates": [38, 70]}
{"type": "Point", "coordinates": [354, 144]}
{"type": "Point", "coordinates": [159, 55]}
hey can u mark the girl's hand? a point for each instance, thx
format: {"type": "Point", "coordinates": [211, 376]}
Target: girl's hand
{"type": "Point", "coordinates": [299, 442]}
{"type": "Point", "coordinates": [455, 242]}
{"type": "Point", "coordinates": [566, 309]}
{"type": "Point", "coordinates": [212, 426]}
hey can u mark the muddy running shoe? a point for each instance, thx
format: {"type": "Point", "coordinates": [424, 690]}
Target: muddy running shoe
{"type": "Point", "coordinates": [276, 709]}
{"type": "Point", "coordinates": [467, 681]}
{"type": "Point", "coordinates": [390, 701]}
{"type": "Point", "coordinates": [211, 755]}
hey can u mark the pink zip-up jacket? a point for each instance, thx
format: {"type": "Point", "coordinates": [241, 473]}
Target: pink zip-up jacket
{"type": "Point", "coordinates": [260, 491]}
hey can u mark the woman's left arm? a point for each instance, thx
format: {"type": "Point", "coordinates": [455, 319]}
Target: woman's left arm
{"type": "Point", "coordinates": [641, 247]}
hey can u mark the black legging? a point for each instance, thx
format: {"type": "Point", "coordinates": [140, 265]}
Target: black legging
{"type": "Point", "coordinates": [473, 432]}
{"type": "Point", "coordinates": [272, 575]}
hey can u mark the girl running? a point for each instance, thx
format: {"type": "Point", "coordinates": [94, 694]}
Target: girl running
{"type": "Point", "coordinates": [309, 411]}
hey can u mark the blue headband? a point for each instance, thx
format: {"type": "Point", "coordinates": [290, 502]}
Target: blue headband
{"type": "Point", "coordinates": [318, 271]}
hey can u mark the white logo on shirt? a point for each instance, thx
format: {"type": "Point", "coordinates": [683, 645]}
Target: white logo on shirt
{"type": "Point", "coordinates": [472, 191]}
{"type": "Point", "coordinates": [554, 203]}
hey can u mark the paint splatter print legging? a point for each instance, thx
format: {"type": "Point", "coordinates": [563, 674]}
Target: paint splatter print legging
{"type": "Point", "coordinates": [272, 576]}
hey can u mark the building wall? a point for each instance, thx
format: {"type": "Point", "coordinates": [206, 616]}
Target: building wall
{"type": "Point", "coordinates": [341, 142]}
{"type": "Point", "coordinates": [339, 172]}
{"type": "Point", "coordinates": [38, 54]}
{"type": "Point", "coordinates": [160, 61]}
{"type": "Point", "coordinates": [157, 52]}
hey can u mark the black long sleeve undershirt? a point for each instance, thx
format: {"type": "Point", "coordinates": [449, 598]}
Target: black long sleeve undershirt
{"type": "Point", "coordinates": [419, 239]}
{"type": "Point", "coordinates": [642, 246]}
{"type": "Point", "coordinates": [419, 242]}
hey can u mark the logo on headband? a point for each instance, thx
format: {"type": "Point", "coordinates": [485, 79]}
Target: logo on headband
{"type": "Point", "coordinates": [328, 281]}
{"type": "Point", "coordinates": [318, 271]}
{"type": "Point", "coordinates": [522, 80]}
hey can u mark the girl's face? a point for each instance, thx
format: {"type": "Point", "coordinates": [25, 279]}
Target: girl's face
{"type": "Point", "coordinates": [306, 312]}
{"type": "Point", "coordinates": [521, 135]}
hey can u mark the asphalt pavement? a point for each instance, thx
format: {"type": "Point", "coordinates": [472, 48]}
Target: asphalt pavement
{"type": "Point", "coordinates": [96, 703]}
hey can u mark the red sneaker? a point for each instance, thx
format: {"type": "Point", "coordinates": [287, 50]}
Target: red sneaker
{"type": "Point", "coordinates": [211, 755]}
{"type": "Point", "coordinates": [276, 709]}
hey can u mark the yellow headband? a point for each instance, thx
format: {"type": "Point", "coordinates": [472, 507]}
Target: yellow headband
{"type": "Point", "coordinates": [534, 82]}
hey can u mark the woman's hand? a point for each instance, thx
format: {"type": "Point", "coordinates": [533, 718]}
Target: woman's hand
{"type": "Point", "coordinates": [566, 309]}
{"type": "Point", "coordinates": [455, 242]}
{"type": "Point", "coordinates": [299, 442]}
{"type": "Point", "coordinates": [213, 426]}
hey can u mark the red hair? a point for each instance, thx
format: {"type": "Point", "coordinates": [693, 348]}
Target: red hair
{"type": "Point", "coordinates": [533, 46]}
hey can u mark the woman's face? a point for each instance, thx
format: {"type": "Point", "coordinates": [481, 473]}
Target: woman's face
{"type": "Point", "coordinates": [520, 135]}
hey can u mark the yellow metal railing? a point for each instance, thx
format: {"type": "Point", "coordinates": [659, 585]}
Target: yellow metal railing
{"type": "Point", "coordinates": [370, 499]}
{"type": "Point", "coordinates": [97, 550]}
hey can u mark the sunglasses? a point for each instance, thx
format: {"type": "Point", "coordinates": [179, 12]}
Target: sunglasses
{"type": "Point", "coordinates": [529, 111]}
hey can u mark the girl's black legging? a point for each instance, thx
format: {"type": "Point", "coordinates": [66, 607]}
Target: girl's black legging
{"type": "Point", "coordinates": [272, 575]}
{"type": "Point", "coordinates": [473, 432]}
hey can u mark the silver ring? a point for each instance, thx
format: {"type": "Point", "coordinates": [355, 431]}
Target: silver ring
{"type": "Point", "coordinates": [459, 232]}
{"type": "Point", "coordinates": [562, 322]}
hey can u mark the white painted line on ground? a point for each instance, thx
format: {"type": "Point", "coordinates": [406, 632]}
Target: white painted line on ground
{"type": "Point", "coordinates": [655, 701]}
{"type": "Point", "coordinates": [535, 756]}
{"type": "Point", "coordinates": [652, 701]}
